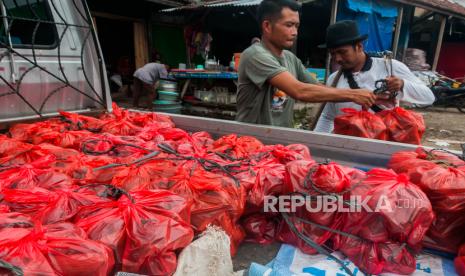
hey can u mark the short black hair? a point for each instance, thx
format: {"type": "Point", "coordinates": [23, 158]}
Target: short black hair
{"type": "Point", "coordinates": [271, 9]}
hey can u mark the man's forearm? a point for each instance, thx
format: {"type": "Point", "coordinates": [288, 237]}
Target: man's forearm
{"type": "Point", "coordinates": [317, 93]}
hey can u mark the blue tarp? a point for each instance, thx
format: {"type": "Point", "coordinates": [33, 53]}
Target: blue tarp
{"type": "Point", "coordinates": [292, 261]}
{"type": "Point", "coordinates": [375, 18]}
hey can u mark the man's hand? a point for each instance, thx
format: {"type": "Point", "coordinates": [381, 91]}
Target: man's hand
{"type": "Point", "coordinates": [394, 84]}
{"type": "Point", "coordinates": [364, 97]}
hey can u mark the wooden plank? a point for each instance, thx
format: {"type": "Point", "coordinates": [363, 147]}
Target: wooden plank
{"type": "Point", "coordinates": [439, 44]}
{"type": "Point", "coordinates": [332, 20]}
{"type": "Point", "coordinates": [400, 15]}
{"type": "Point", "coordinates": [140, 45]}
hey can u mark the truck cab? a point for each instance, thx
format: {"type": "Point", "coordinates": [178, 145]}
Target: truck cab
{"type": "Point", "coordinates": [50, 60]}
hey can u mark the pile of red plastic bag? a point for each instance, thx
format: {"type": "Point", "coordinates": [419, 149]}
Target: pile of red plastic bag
{"type": "Point", "coordinates": [381, 239]}
{"type": "Point", "coordinates": [397, 125]}
{"type": "Point", "coordinates": [127, 191]}
{"type": "Point", "coordinates": [441, 176]}
{"type": "Point", "coordinates": [130, 184]}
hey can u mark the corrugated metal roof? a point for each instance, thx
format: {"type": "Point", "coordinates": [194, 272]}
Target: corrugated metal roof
{"type": "Point", "coordinates": [448, 7]}
{"type": "Point", "coordinates": [215, 4]}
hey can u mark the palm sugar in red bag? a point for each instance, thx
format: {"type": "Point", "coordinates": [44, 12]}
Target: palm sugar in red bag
{"type": "Point", "coordinates": [138, 227]}
{"type": "Point", "coordinates": [360, 124]}
{"type": "Point", "coordinates": [403, 126]}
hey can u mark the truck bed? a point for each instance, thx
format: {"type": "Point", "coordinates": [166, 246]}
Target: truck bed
{"type": "Point", "coordinates": [349, 151]}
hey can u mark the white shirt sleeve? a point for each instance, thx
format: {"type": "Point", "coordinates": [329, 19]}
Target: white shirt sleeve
{"type": "Point", "coordinates": [326, 121]}
{"type": "Point", "coordinates": [415, 91]}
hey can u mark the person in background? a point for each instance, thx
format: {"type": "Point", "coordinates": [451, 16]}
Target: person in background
{"type": "Point", "coordinates": [358, 70]}
{"type": "Point", "coordinates": [146, 80]}
{"type": "Point", "coordinates": [271, 78]}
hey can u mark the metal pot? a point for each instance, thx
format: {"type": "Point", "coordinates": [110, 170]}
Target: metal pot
{"type": "Point", "coordinates": [168, 86]}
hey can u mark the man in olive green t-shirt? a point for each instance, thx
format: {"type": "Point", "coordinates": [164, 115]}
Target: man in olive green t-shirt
{"type": "Point", "coordinates": [272, 78]}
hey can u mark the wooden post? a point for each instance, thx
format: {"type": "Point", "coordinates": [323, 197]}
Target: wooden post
{"type": "Point", "coordinates": [332, 20]}
{"type": "Point", "coordinates": [437, 53]}
{"type": "Point", "coordinates": [140, 45]}
{"type": "Point", "coordinates": [400, 15]}
{"type": "Point", "coordinates": [319, 108]}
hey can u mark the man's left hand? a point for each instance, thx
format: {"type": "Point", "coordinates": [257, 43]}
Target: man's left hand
{"type": "Point", "coordinates": [394, 84]}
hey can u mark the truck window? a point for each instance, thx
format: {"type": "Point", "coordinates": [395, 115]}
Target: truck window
{"type": "Point", "coordinates": [26, 18]}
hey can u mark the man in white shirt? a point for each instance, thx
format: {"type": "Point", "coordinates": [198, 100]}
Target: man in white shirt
{"type": "Point", "coordinates": [358, 70]}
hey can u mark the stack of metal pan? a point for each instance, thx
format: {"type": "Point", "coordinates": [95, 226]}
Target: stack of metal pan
{"type": "Point", "coordinates": [168, 98]}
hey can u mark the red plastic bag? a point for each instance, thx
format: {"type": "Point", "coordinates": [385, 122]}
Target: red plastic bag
{"type": "Point", "coordinates": [89, 169]}
{"type": "Point", "coordinates": [216, 200]}
{"type": "Point", "coordinates": [10, 146]}
{"type": "Point", "coordinates": [25, 132]}
{"type": "Point", "coordinates": [310, 179]}
{"type": "Point", "coordinates": [138, 118]}
{"type": "Point", "coordinates": [49, 206]}
{"type": "Point", "coordinates": [304, 223]}
{"type": "Point", "coordinates": [119, 123]}
{"type": "Point", "coordinates": [446, 233]}
{"type": "Point", "coordinates": [377, 258]}
{"type": "Point", "coordinates": [24, 156]}
{"type": "Point", "coordinates": [363, 254]}
{"type": "Point", "coordinates": [81, 122]}
{"type": "Point", "coordinates": [236, 147]}
{"type": "Point", "coordinates": [124, 148]}
{"type": "Point", "coordinates": [67, 139]}
{"type": "Point", "coordinates": [400, 215]}
{"type": "Point", "coordinates": [120, 127]}
{"type": "Point", "coordinates": [141, 228]}
{"type": "Point", "coordinates": [59, 152]}
{"type": "Point", "coordinates": [4, 209]}
{"type": "Point", "coordinates": [150, 175]}
{"type": "Point", "coordinates": [402, 212]}
{"type": "Point", "coordinates": [58, 249]}
{"type": "Point", "coordinates": [68, 161]}
{"type": "Point", "coordinates": [360, 124]}
{"type": "Point", "coordinates": [329, 178]}
{"type": "Point", "coordinates": [35, 174]}
{"type": "Point", "coordinates": [202, 141]}
{"type": "Point", "coordinates": [286, 154]}
{"type": "Point", "coordinates": [260, 228]}
{"type": "Point", "coordinates": [269, 178]}
{"type": "Point", "coordinates": [442, 177]}
{"type": "Point", "coordinates": [160, 172]}
{"type": "Point", "coordinates": [150, 119]}
{"type": "Point", "coordinates": [213, 195]}
{"type": "Point", "coordinates": [403, 126]}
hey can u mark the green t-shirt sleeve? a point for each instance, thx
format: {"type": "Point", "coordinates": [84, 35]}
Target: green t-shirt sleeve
{"type": "Point", "coordinates": [260, 67]}
{"type": "Point", "coordinates": [303, 75]}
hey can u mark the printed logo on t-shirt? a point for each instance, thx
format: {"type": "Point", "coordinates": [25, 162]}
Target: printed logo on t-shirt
{"type": "Point", "coordinates": [279, 101]}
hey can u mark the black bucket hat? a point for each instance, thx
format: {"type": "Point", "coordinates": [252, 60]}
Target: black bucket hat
{"type": "Point", "coordinates": [342, 33]}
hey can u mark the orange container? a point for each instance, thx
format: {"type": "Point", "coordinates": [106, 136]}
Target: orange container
{"type": "Point", "coordinates": [237, 59]}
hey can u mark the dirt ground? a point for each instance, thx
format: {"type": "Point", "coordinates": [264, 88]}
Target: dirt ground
{"type": "Point", "coordinates": [443, 125]}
